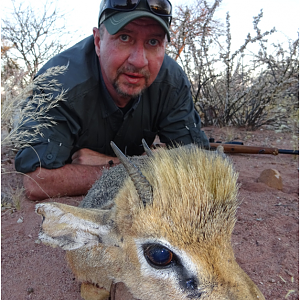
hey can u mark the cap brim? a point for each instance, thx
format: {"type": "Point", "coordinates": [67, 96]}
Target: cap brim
{"type": "Point", "coordinates": [117, 21]}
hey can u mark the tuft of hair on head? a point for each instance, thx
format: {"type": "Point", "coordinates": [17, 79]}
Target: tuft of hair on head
{"type": "Point", "coordinates": [194, 196]}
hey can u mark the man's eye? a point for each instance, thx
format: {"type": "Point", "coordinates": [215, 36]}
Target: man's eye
{"type": "Point", "coordinates": [124, 37]}
{"type": "Point", "coordinates": [153, 42]}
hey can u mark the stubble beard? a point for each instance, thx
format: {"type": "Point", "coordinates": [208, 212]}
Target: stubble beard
{"type": "Point", "coordinates": [121, 91]}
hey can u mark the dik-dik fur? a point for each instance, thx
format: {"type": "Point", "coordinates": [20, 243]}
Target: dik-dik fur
{"type": "Point", "coordinates": [166, 233]}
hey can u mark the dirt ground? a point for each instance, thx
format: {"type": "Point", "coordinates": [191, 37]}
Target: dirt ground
{"type": "Point", "coordinates": [265, 239]}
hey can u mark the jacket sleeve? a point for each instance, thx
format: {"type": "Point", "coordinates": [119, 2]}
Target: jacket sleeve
{"type": "Point", "coordinates": [52, 148]}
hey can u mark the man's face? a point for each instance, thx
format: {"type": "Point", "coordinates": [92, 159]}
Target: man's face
{"type": "Point", "coordinates": [131, 59]}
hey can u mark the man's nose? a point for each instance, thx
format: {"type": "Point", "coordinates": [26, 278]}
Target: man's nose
{"type": "Point", "coordinates": [138, 56]}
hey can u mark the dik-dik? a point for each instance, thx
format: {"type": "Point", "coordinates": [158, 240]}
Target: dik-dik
{"type": "Point", "coordinates": [164, 230]}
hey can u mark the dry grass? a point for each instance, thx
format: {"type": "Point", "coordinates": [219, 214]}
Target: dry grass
{"type": "Point", "coordinates": [11, 199]}
{"type": "Point", "coordinates": [25, 107]}
{"type": "Point", "coordinates": [18, 108]}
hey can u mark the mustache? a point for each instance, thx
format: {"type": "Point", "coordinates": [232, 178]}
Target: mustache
{"type": "Point", "coordinates": [132, 69]}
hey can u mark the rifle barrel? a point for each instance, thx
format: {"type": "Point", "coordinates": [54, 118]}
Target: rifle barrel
{"type": "Point", "coordinates": [284, 151]}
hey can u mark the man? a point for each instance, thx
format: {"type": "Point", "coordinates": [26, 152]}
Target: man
{"type": "Point", "coordinates": [121, 87]}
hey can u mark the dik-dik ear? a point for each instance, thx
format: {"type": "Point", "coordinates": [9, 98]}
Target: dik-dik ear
{"type": "Point", "coordinates": [71, 227]}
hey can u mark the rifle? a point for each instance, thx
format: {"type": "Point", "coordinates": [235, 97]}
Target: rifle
{"type": "Point", "coordinates": [238, 147]}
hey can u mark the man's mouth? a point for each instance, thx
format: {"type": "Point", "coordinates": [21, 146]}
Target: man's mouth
{"type": "Point", "coordinates": [133, 78]}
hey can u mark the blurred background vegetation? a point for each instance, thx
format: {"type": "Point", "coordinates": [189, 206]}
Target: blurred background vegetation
{"type": "Point", "coordinates": [230, 87]}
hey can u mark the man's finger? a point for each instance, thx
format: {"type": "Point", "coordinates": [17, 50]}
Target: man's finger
{"type": "Point", "coordinates": [75, 155]}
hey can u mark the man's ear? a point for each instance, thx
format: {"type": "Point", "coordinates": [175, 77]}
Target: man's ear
{"type": "Point", "coordinates": [97, 40]}
{"type": "Point", "coordinates": [71, 227]}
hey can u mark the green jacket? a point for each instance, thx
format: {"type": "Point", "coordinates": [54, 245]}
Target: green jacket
{"type": "Point", "coordinates": [89, 118]}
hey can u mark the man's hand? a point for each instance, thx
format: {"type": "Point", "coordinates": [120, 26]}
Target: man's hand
{"type": "Point", "coordinates": [89, 157]}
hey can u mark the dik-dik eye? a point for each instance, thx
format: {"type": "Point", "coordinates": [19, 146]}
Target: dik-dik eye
{"type": "Point", "coordinates": [158, 256]}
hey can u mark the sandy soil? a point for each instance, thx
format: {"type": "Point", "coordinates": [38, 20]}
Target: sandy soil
{"type": "Point", "coordinates": [265, 239]}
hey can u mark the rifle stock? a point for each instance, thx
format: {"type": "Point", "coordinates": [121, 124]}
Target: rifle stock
{"type": "Point", "coordinates": [232, 148]}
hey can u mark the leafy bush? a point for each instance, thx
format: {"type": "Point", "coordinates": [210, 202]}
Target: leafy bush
{"type": "Point", "coordinates": [228, 88]}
